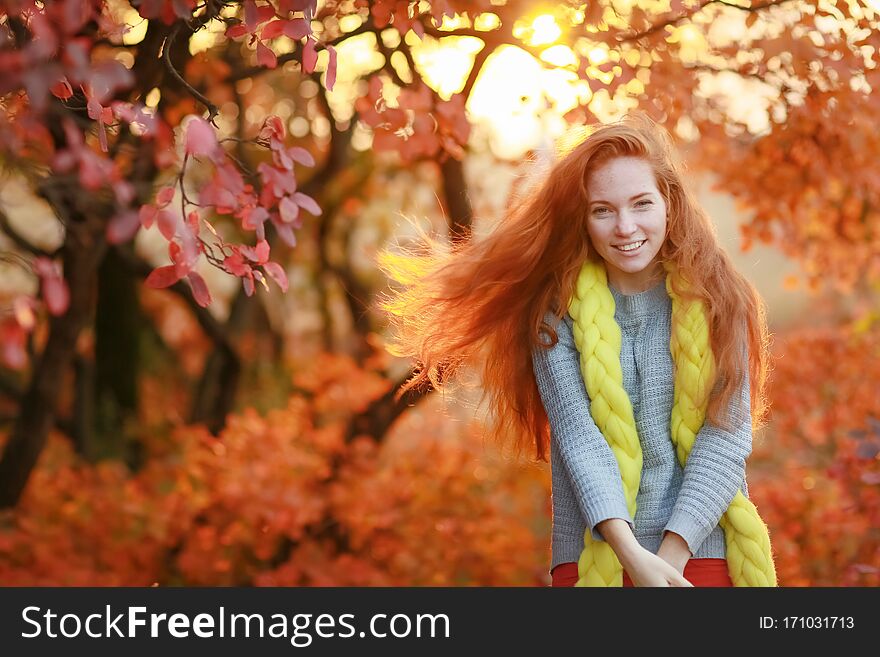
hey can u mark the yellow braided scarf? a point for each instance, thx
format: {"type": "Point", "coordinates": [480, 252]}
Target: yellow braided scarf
{"type": "Point", "coordinates": [598, 339]}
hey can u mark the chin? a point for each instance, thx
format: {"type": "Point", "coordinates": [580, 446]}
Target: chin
{"type": "Point", "coordinates": [631, 267]}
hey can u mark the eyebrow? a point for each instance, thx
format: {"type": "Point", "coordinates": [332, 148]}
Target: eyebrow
{"type": "Point", "coordinates": [632, 198]}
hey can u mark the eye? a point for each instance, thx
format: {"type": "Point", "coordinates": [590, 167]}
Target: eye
{"type": "Point", "coordinates": [599, 210]}
{"type": "Point", "coordinates": [645, 201]}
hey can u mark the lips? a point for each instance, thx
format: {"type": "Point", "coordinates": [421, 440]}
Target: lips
{"type": "Point", "coordinates": [630, 247]}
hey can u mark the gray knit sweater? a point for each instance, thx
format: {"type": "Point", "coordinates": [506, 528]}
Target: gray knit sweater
{"type": "Point", "coordinates": [586, 483]}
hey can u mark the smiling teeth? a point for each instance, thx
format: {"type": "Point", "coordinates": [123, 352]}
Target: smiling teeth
{"type": "Point", "coordinates": [630, 247]}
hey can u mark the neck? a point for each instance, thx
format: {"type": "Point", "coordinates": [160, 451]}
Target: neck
{"type": "Point", "coordinates": [635, 282]}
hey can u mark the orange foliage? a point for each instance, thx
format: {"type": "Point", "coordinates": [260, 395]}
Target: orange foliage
{"type": "Point", "coordinates": [816, 475]}
{"type": "Point", "coordinates": [801, 198]}
{"type": "Point", "coordinates": [282, 500]}
{"type": "Point", "coordinates": [266, 504]}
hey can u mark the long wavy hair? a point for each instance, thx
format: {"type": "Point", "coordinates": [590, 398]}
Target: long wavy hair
{"type": "Point", "coordinates": [481, 302]}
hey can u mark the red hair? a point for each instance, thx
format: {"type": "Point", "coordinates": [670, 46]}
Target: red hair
{"type": "Point", "coordinates": [482, 302]}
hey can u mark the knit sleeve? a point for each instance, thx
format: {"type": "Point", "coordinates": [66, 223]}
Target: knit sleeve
{"type": "Point", "coordinates": [586, 457]}
{"type": "Point", "coordinates": [714, 472]}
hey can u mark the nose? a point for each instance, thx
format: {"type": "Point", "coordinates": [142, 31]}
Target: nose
{"type": "Point", "coordinates": [625, 225]}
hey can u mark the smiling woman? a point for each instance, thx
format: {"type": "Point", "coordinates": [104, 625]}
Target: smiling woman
{"type": "Point", "coordinates": [627, 222]}
{"type": "Point", "coordinates": [648, 388]}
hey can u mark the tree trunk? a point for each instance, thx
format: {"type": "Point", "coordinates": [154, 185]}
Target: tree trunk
{"type": "Point", "coordinates": [459, 210]}
{"type": "Point", "coordinates": [82, 250]}
{"type": "Point", "coordinates": [117, 319]}
{"type": "Point", "coordinates": [218, 386]}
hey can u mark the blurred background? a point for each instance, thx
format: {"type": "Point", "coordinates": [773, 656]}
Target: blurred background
{"type": "Point", "coordinates": [194, 388]}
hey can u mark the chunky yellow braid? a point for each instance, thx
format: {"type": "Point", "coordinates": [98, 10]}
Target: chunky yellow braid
{"type": "Point", "coordinates": [598, 339]}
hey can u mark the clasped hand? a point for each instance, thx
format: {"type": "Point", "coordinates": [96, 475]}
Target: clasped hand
{"type": "Point", "coordinates": [649, 569]}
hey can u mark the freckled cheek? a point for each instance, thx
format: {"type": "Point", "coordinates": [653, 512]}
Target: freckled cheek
{"type": "Point", "coordinates": [598, 237]}
{"type": "Point", "coordinates": [658, 225]}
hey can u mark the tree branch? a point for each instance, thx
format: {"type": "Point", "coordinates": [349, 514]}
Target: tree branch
{"type": "Point", "coordinates": [19, 240]}
{"type": "Point", "coordinates": [783, 86]}
{"type": "Point", "coordinates": [296, 53]}
{"type": "Point", "coordinates": [492, 39]}
{"type": "Point", "coordinates": [213, 110]}
{"type": "Point", "coordinates": [377, 418]}
{"type": "Point", "coordinates": [675, 20]}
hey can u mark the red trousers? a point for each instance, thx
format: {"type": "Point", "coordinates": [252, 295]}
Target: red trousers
{"type": "Point", "coordinates": [699, 572]}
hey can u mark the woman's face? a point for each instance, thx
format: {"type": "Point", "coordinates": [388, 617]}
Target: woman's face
{"type": "Point", "coordinates": [626, 222]}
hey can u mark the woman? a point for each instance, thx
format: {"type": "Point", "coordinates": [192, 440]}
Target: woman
{"type": "Point", "coordinates": [649, 386]}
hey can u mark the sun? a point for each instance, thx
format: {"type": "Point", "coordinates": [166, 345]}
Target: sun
{"type": "Point", "coordinates": [544, 30]}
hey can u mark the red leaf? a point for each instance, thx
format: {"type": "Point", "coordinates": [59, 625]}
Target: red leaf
{"type": "Point", "coordinates": [192, 220]}
{"type": "Point", "coordinates": [276, 183]}
{"type": "Point", "coordinates": [253, 218]}
{"type": "Point", "coordinates": [330, 80]}
{"type": "Point", "coordinates": [220, 192]}
{"type": "Point", "coordinates": [94, 109]}
{"type": "Point", "coordinates": [176, 255]}
{"type": "Point", "coordinates": [277, 273]}
{"type": "Point", "coordinates": [248, 283]}
{"type": "Point", "coordinates": [297, 29]}
{"type": "Point", "coordinates": [298, 5]}
{"type": "Point", "coordinates": [162, 277]}
{"type": "Point", "coordinates": [199, 288]}
{"type": "Point", "coordinates": [191, 250]}
{"type": "Point", "coordinates": [273, 126]}
{"type": "Point", "coordinates": [254, 255]}
{"type": "Point", "coordinates": [262, 251]}
{"type": "Point", "coordinates": [236, 31]}
{"type": "Point", "coordinates": [102, 136]}
{"type": "Point", "coordinates": [62, 89]}
{"type": "Point", "coordinates": [167, 224]}
{"type": "Point", "coordinates": [273, 29]}
{"type": "Point", "coordinates": [302, 156]}
{"type": "Point", "coordinates": [310, 56]}
{"type": "Point", "coordinates": [251, 17]}
{"type": "Point", "coordinates": [200, 138]}
{"type": "Point", "coordinates": [148, 215]}
{"type": "Point", "coordinates": [265, 13]}
{"type": "Point", "coordinates": [236, 265]}
{"type": "Point", "coordinates": [289, 211]}
{"type": "Point", "coordinates": [265, 56]}
{"type": "Point", "coordinates": [285, 232]}
{"type": "Point", "coordinates": [123, 227]}
{"type": "Point", "coordinates": [307, 203]}
{"type": "Point", "coordinates": [165, 196]}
